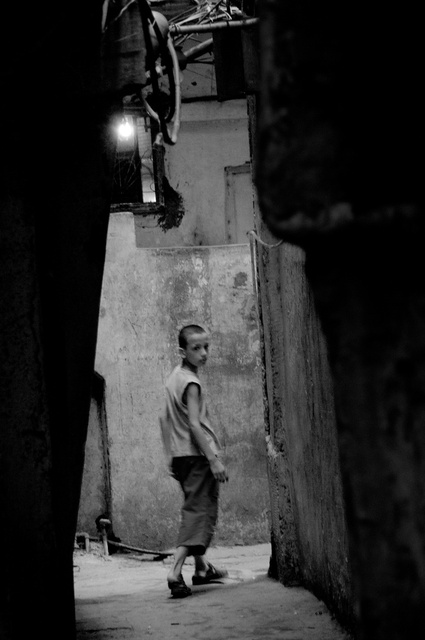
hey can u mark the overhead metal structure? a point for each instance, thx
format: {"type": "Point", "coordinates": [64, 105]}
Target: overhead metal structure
{"type": "Point", "coordinates": [165, 58]}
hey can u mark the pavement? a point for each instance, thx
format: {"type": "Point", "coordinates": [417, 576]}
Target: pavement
{"type": "Point", "coordinates": [124, 596]}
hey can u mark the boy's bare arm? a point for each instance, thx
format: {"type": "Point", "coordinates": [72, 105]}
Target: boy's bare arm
{"type": "Point", "coordinates": [192, 399]}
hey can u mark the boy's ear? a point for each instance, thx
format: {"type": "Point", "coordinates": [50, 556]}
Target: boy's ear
{"type": "Point", "coordinates": [182, 352]}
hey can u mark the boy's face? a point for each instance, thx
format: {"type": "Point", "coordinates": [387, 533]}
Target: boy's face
{"type": "Point", "coordinates": [196, 351]}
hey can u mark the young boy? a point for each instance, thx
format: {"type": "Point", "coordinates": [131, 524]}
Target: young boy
{"type": "Point", "coordinates": [192, 448]}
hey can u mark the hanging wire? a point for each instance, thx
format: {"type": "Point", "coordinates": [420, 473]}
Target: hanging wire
{"type": "Point", "coordinates": [253, 238]}
{"type": "Point", "coordinates": [264, 244]}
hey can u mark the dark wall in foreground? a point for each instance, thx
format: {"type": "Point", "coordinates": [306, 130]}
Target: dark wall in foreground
{"type": "Point", "coordinates": [54, 216]}
{"type": "Point", "coordinates": [338, 175]}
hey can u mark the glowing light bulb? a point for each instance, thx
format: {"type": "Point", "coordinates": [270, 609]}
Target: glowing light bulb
{"type": "Point", "coordinates": [125, 129]}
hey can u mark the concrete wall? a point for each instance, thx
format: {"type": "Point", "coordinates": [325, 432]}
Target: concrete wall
{"type": "Point", "coordinates": [96, 487]}
{"type": "Point", "coordinates": [212, 137]}
{"type": "Point", "coordinates": [147, 295]}
{"type": "Point", "coordinates": [307, 507]}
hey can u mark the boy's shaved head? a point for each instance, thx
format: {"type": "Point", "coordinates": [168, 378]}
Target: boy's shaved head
{"type": "Point", "coordinates": [188, 330]}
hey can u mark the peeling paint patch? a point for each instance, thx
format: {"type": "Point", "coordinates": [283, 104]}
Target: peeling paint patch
{"type": "Point", "coordinates": [240, 280]}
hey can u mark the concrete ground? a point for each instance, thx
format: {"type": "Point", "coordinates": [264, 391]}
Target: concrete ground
{"type": "Point", "coordinates": [125, 597]}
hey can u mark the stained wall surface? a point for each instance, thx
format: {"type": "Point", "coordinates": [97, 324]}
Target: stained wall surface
{"type": "Point", "coordinates": [148, 294]}
{"type": "Point", "coordinates": [212, 136]}
{"type": "Point", "coordinates": [307, 505]}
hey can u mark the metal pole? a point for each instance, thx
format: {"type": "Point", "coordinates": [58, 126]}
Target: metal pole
{"type": "Point", "coordinates": [213, 26]}
{"type": "Point", "coordinates": [198, 49]}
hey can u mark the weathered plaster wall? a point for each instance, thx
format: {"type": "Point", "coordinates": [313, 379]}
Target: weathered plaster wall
{"type": "Point", "coordinates": [95, 488]}
{"type": "Point", "coordinates": [147, 295]}
{"type": "Point", "coordinates": [212, 136]}
{"type": "Point", "coordinates": [307, 507]}
{"type": "Point", "coordinates": [309, 534]}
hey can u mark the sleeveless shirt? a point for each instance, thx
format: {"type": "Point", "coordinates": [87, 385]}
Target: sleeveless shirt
{"type": "Point", "coordinates": [175, 426]}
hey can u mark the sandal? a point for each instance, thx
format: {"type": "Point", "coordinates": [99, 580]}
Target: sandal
{"type": "Point", "coordinates": [212, 575]}
{"type": "Point", "coordinates": [179, 588]}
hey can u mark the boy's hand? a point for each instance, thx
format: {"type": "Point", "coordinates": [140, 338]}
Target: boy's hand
{"type": "Point", "coordinates": [219, 470]}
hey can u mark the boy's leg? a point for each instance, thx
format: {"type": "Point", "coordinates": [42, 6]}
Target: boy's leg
{"type": "Point", "coordinates": [199, 515]}
{"type": "Point", "coordinates": [201, 565]}
{"type": "Point", "coordinates": [177, 585]}
{"type": "Point", "coordinates": [175, 572]}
